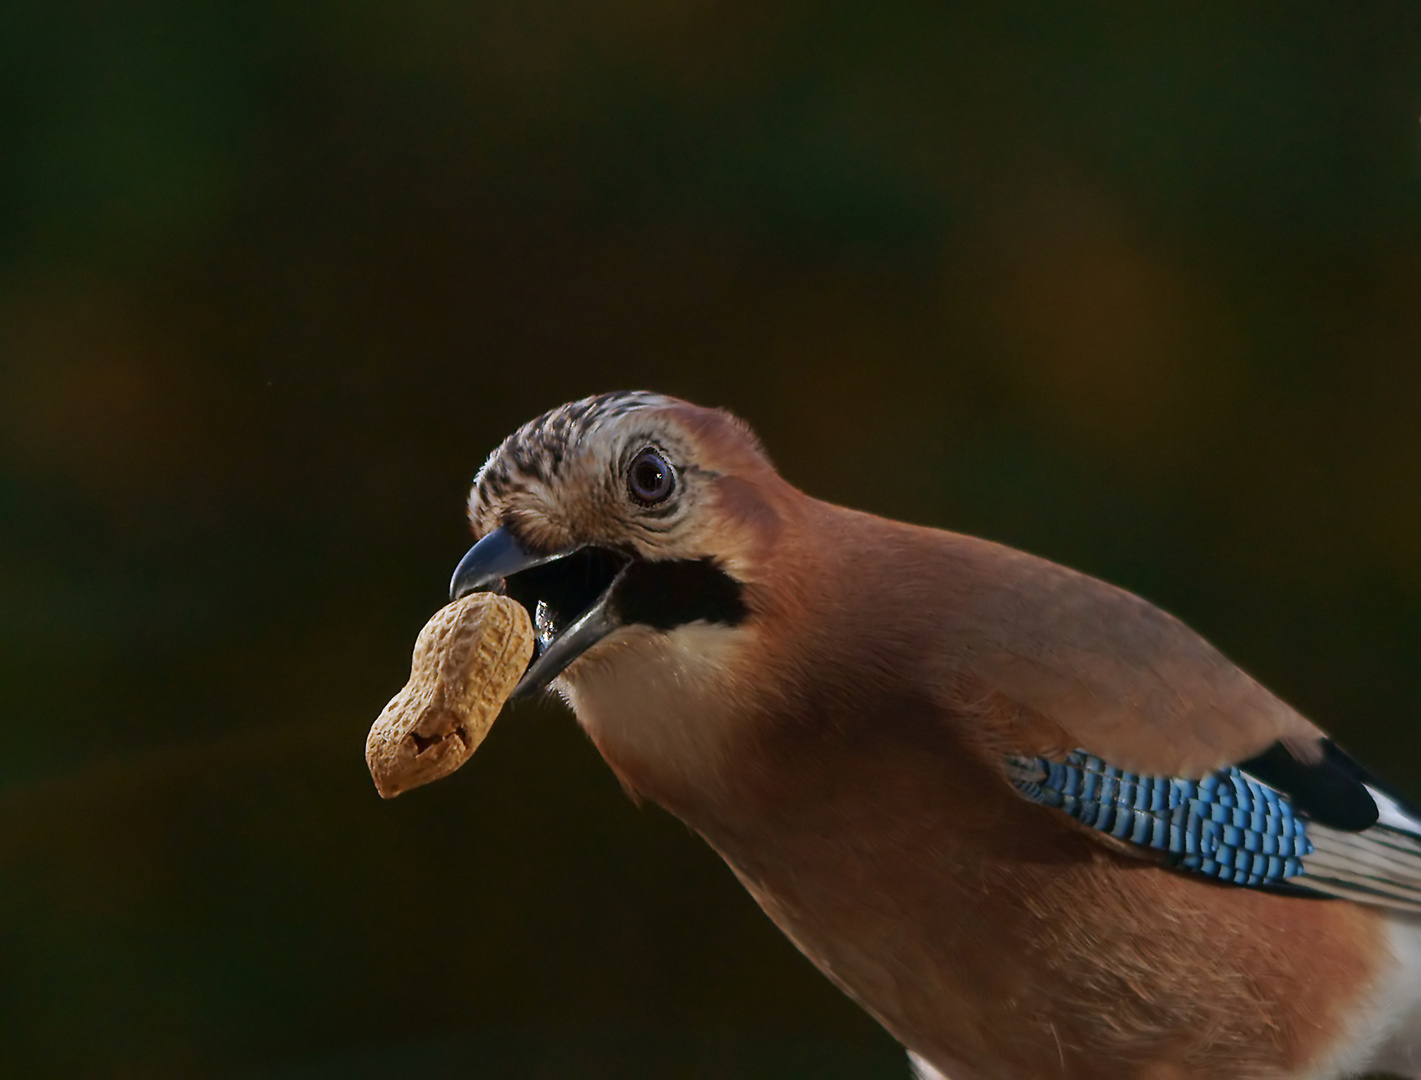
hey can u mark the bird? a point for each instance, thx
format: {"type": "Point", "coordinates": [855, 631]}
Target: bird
{"type": "Point", "coordinates": [1030, 822]}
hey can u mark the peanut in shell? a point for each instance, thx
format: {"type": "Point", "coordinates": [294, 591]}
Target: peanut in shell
{"type": "Point", "coordinates": [467, 660]}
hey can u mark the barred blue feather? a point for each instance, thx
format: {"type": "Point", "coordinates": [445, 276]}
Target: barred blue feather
{"type": "Point", "coordinates": [1226, 825]}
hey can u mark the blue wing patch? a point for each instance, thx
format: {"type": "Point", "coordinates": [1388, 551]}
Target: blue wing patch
{"type": "Point", "coordinates": [1227, 825]}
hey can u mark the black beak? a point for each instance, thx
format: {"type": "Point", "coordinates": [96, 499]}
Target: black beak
{"type": "Point", "coordinates": [591, 627]}
{"type": "Point", "coordinates": [497, 556]}
{"type": "Point", "coordinates": [569, 595]}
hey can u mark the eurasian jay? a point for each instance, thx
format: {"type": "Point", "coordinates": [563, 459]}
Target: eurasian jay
{"type": "Point", "coordinates": [1033, 824]}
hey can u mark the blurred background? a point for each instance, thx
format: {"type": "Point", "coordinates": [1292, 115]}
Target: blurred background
{"type": "Point", "coordinates": [1138, 289]}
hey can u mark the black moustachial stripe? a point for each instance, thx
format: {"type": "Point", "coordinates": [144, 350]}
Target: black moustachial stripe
{"type": "Point", "coordinates": [670, 593]}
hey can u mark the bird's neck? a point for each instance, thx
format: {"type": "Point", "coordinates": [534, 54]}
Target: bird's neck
{"type": "Point", "coordinates": [686, 716]}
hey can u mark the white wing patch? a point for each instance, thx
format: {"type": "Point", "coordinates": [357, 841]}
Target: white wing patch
{"type": "Point", "coordinates": [1380, 865]}
{"type": "Point", "coordinates": [922, 1070]}
{"type": "Point", "coordinates": [1392, 815]}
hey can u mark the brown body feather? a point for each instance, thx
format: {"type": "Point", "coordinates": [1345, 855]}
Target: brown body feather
{"type": "Point", "coordinates": [865, 808]}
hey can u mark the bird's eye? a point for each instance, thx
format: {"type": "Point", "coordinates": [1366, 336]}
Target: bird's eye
{"type": "Point", "coordinates": [650, 479]}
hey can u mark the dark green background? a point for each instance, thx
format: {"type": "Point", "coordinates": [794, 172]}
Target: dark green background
{"type": "Point", "coordinates": [1134, 287]}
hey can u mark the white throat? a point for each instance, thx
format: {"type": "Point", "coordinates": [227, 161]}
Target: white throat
{"type": "Point", "coordinates": [661, 706]}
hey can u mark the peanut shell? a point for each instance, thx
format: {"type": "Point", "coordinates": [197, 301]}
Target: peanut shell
{"type": "Point", "coordinates": [467, 660]}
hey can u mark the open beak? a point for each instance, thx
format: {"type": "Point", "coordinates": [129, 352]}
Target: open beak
{"type": "Point", "coordinates": [569, 595]}
{"type": "Point", "coordinates": [497, 556]}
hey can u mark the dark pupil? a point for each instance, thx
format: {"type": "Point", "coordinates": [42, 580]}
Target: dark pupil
{"type": "Point", "coordinates": [651, 479]}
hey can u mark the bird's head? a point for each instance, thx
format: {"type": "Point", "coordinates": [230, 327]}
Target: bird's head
{"type": "Point", "coordinates": [621, 514]}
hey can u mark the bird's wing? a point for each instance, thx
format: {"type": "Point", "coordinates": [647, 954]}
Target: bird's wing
{"type": "Point", "coordinates": [1100, 668]}
{"type": "Point", "coordinates": [1326, 829]}
{"type": "Point", "coordinates": [1137, 727]}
